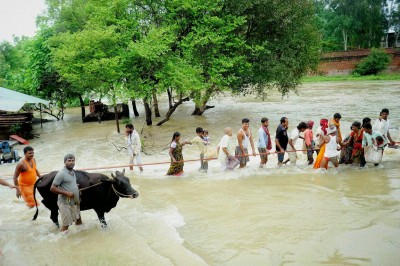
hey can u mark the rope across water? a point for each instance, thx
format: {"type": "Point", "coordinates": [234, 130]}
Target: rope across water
{"type": "Point", "coordinates": [157, 163]}
{"type": "Point", "coordinates": [165, 162]}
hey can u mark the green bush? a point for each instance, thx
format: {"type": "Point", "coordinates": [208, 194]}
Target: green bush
{"type": "Point", "coordinates": [15, 128]}
{"type": "Point", "coordinates": [126, 120]}
{"type": "Point", "coordinates": [377, 61]}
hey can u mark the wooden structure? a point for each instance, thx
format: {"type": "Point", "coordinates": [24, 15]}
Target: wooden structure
{"type": "Point", "coordinates": [99, 112]}
{"type": "Point", "coordinates": [17, 123]}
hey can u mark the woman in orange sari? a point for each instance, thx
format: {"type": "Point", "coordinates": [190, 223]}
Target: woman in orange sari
{"type": "Point", "coordinates": [321, 132]}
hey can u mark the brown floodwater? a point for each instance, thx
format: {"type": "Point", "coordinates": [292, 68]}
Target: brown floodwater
{"type": "Point", "coordinates": [293, 215]}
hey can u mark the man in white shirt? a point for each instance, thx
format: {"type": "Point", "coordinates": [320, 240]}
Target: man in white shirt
{"type": "Point", "coordinates": [134, 146]}
{"type": "Point", "coordinates": [382, 125]}
{"type": "Point", "coordinates": [294, 135]}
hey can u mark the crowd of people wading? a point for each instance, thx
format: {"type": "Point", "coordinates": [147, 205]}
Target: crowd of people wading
{"type": "Point", "coordinates": [364, 144]}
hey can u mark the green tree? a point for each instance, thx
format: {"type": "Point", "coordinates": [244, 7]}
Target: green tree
{"type": "Point", "coordinates": [355, 24]}
{"type": "Point", "coordinates": [189, 49]}
{"type": "Point", "coordinates": [13, 64]}
{"type": "Point", "coordinates": [44, 80]}
{"type": "Point", "coordinates": [284, 43]}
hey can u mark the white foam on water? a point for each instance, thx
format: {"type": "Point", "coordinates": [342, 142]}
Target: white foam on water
{"type": "Point", "coordinates": [168, 220]}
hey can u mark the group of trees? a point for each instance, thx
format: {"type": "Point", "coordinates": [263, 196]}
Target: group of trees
{"type": "Point", "coordinates": [139, 49]}
{"type": "Point", "coordinates": [349, 24]}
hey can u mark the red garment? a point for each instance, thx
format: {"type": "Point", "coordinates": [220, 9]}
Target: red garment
{"type": "Point", "coordinates": [324, 125]}
{"type": "Point", "coordinates": [269, 145]}
{"type": "Point", "coordinates": [357, 141]}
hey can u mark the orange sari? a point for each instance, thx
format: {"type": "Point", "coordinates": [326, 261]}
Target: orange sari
{"type": "Point", "coordinates": [320, 156]}
{"type": "Point", "coordinates": [26, 182]}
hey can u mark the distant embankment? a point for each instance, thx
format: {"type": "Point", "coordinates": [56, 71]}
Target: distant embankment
{"type": "Point", "coordinates": [343, 63]}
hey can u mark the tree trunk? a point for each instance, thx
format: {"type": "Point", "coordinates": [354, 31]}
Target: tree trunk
{"type": "Point", "coordinates": [389, 22]}
{"type": "Point", "coordinates": [125, 110]}
{"type": "Point", "coordinates": [135, 111]}
{"type": "Point", "coordinates": [172, 108]}
{"type": "Point", "coordinates": [370, 36]}
{"type": "Point", "coordinates": [199, 110]}
{"type": "Point", "coordinates": [201, 107]}
{"type": "Point", "coordinates": [387, 40]}
{"type": "Point", "coordinates": [344, 39]}
{"type": "Point", "coordinates": [82, 107]}
{"type": "Point", "coordinates": [147, 110]}
{"type": "Point", "coordinates": [116, 117]}
{"type": "Point", "coordinates": [155, 104]}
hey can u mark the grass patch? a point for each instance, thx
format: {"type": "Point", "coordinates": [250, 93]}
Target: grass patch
{"type": "Point", "coordinates": [391, 76]}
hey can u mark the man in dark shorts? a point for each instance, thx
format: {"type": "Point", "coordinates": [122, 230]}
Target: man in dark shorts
{"type": "Point", "coordinates": [245, 139]}
{"type": "Point", "coordinates": [281, 139]}
{"type": "Point", "coordinates": [65, 186]}
{"type": "Point", "coordinates": [264, 144]}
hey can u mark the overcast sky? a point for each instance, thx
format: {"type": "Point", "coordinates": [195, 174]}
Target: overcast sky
{"type": "Point", "coordinates": [17, 17]}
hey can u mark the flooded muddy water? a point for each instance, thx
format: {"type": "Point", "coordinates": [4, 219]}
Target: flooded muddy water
{"type": "Point", "coordinates": [293, 215]}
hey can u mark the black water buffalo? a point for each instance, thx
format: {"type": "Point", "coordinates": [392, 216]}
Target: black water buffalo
{"type": "Point", "coordinates": [98, 192]}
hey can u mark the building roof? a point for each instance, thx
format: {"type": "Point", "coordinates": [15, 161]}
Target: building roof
{"type": "Point", "coordinates": [12, 101]}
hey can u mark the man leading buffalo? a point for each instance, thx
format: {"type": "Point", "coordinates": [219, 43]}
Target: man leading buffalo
{"type": "Point", "coordinates": [64, 184]}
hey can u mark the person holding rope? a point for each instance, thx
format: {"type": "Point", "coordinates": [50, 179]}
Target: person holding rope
{"type": "Point", "coordinates": [331, 152]}
{"type": "Point", "coordinates": [382, 125]}
{"type": "Point", "coordinates": [371, 145]}
{"type": "Point", "coordinates": [355, 140]}
{"type": "Point", "coordinates": [320, 142]}
{"type": "Point", "coordinates": [5, 183]}
{"type": "Point", "coordinates": [309, 144]}
{"type": "Point", "coordinates": [264, 141]}
{"type": "Point", "coordinates": [25, 176]}
{"type": "Point", "coordinates": [200, 143]}
{"type": "Point", "coordinates": [281, 139]}
{"type": "Point", "coordinates": [294, 136]}
{"type": "Point", "coordinates": [224, 151]}
{"type": "Point", "coordinates": [134, 146]}
{"type": "Point", "coordinates": [336, 122]}
{"type": "Point", "coordinates": [244, 137]}
{"type": "Point", "coordinates": [64, 184]}
{"type": "Point", "coordinates": [175, 152]}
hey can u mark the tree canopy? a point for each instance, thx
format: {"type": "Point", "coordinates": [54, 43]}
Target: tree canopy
{"type": "Point", "coordinates": [189, 49]}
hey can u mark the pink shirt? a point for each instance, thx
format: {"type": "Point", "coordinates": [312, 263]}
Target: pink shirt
{"type": "Point", "coordinates": [308, 136]}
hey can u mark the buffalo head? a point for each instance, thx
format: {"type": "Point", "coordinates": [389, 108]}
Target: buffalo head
{"type": "Point", "coordinates": [122, 185]}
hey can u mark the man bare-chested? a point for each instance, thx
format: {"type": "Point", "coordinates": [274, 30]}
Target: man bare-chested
{"type": "Point", "coordinates": [244, 137]}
